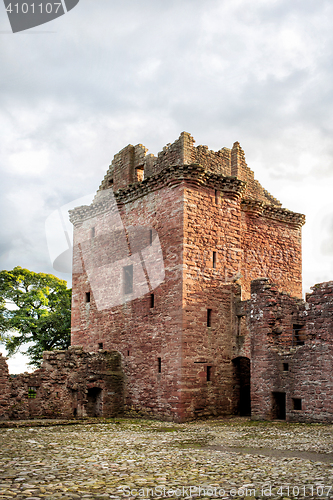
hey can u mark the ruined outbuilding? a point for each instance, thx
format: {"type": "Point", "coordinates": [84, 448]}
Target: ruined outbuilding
{"type": "Point", "coordinates": [190, 272]}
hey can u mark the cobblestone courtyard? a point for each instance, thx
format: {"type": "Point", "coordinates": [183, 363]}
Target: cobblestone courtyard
{"type": "Point", "coordinates": [124, 458]}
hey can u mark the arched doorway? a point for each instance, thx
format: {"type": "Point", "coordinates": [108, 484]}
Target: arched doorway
{"type": "Point", "coordinates": [242, 386]}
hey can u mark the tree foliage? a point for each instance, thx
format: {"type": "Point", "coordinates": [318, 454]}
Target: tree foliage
{"type": "Point", "coordinates": [35, 309]}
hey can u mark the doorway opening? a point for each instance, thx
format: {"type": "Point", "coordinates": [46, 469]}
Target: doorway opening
{"type": "Point", "coordinates": [279, 405]}
{"type": "Point", "coordinates": [242, 378]}
{"type": "Point", "coordinates": [94, 405]}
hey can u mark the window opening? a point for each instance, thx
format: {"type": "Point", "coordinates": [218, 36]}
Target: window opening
{"type": "Point", "coordinates": [150, 236]}
{"type": "Point", "coordinates": [209, 373]}
{"type": "Point", "coordinates": [152, 300]}
{"type": "Point", "coordinates": [128, 279]}
{"type": "Point", "coordinates": [32, 392]}
{"type": "Point", "coordinates": [216, 197]}
{"type": "Point", "coordinates": [93, 232]}
{"type": "Point", "coordinates": [209, 317]}
{"type": "Point", "coordinates": [128, 353]}
{"type": "Point", "coordinates": [214, 260]}
{"type": "Point", "coordinates": [100, 345]}
{"type": "Point", "coordinates": [297, 337]}
{"type": "Point", "coordinates": [87, 296]}
{"type": "Point", "coordinates": [285, 367]}
{"type": "Point", "coordinates": [140, 173]}
{"type": "Point", "coordinates": [159, 365]}
{"type": "Point", "coordinates": [297, 404]}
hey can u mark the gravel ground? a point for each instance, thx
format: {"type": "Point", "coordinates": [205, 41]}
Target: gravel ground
{"type": "Point", "coordinates": [123, 458]}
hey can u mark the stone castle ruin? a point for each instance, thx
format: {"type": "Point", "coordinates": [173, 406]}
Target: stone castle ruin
{"type": "Point", "coordinates": [187, 300]}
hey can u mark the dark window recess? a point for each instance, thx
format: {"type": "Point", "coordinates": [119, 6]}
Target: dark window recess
{"type": "Point", "coordinates": [128, 279]}
{"type": "Point", "coordinates": [150, 236]}
{"type": "Point", "coordinates": [128, 353]}
{"type": "Point", "coordinates": [159, 365]}
{"type": "Point", "coordinates": [152, 300]}
{"type": "Point", "coordinates": [110, 182]}
{"type": "Point", "coordinates": [214, 260]}
{"type": "Point", "coordinates": [100, 345]}
{"type": "Point", "coordinates": [87, 296]}
{"type": "Point", "coordinates": [93, 232]}
{"type": "Point", "coordinates": [216, 197]}
{"type": "Point", "coordinates": [32, 392]}
{"type": "Point", "coordinates": [209, 317]}
{"type": "Point", "coordinates": [209, 373]}
{"type": "Point", "coordinates": [297, 335]}
{"type": "Point", "coordinates": [285, 367]}
{"type": "Point", "coordinates": [297, 404]}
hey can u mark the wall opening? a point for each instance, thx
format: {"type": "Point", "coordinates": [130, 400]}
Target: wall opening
{"type": "Point", "coordinates": [216, 197]}
{"type": "Point", "coordinates": [100, 345]}
{"type": "Point", "coordinates": [152, 300]}
{"type": "Point", "coordinates": [32, 392]}
{"type": "Point", "coordinates": [214, 260]}
{"type": "Point", "coordinates": [93, 232]}
{"type": "Point", "coordinates": [140, 173]}
{"type": "Point", "coordinates": [159, 360]}
{"type": "Point", "coordinates": [87, 297]}
{"type": "Point", "coordinates": [285, 367]}
{"type": "Point", "coordinates": [209, 317]}
{"type": "Point", "coordinates": [209, 373]}
{"type": "Point", "coordinates": [150, 236]}
{"type": "Point", "coordinates": [298, 337]}
{"type": "Point", "coordinates": [297, 404]}
{"type": "Point", "coordinates": [94, 405]}
{"type": "Point", "coordinates": [279, 405]}
{"type": "Point", "coordinates": [242, 385]}
{"type": "Point", "coordinates": [128, 279]}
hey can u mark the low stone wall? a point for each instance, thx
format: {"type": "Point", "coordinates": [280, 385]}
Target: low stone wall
{"type": "Point", "coordinates": [69, 384]}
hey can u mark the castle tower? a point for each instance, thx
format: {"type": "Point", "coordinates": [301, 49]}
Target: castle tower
{"type": "Point", "coordinates": [162, 259]}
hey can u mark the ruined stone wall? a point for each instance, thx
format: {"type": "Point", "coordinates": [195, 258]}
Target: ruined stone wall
{"type": "Point", "coordinates": [68, 384]}
{"type": "Point", "coordinates": [292, 353]}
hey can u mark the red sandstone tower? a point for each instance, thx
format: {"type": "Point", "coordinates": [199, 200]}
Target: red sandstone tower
{"type": "Point", "coordinates": [162, 259]}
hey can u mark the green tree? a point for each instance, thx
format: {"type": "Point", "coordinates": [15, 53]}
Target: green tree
{"type": "Point", "coordinates": [34, 308]}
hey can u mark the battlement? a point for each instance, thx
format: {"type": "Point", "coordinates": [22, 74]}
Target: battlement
{"type": "Point", "coordinates": [132, 165]}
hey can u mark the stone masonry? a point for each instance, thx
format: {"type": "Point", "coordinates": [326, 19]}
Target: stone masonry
{"type": "Point", "coordinates": [69, 384]}
{"type": "Point", "coordinates": [184, 341]}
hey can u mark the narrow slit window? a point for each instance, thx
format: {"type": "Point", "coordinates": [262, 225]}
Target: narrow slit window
{"type": "Point", "coordinates": [297, 404]}
{"type": "Point", "coordinates": [87, 297]}
{"type": "Point", "coordinates": [209, 317]}
{"type": "Point", "coordinates": [128, 353]}
{"type": "Point", "coordinates": [209, 373]}
{"type": "Point", "coordinates": [216, 197]}
{"type": "Point", "coordinates": [285, 367]}
{"type": "Point", "coordinates": [100, 345]}
{"type": "Point", "coordinates": [150, 236]}
{"type": "Point", "coordinates": [159, 360]}
{"type": "Point", "coordinates": [128, 279]}
{"type": "Point", "coordinates": [214, 260]}
{"type": "Point", "coordinates": [152, 300]}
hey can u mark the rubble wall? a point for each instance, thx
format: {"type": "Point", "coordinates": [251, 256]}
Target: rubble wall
{"type": "Point", "coordinates": [69, 384]}
{"type": "Point", "coordinates": [292, 354]}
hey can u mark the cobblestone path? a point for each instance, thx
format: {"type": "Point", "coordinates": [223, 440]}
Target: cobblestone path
{"type": "Point", "coordinates": [124, 458]}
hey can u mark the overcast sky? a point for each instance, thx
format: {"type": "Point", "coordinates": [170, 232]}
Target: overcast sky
{"type": "Point", "coordinates": [78, 89]}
